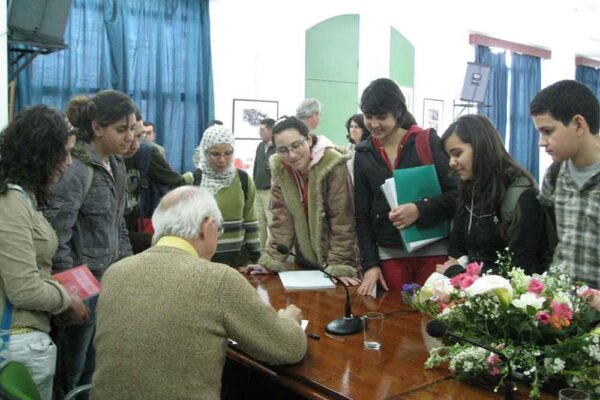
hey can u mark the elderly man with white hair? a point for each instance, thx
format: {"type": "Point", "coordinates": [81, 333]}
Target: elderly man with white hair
{"type": "Point", "coordinates": [164, 315]}
{"type": "Point", "coordinates": [309, 111]}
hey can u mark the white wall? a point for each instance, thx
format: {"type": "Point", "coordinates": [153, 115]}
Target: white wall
{"type": "Point", "coordinates": [3, 67]}
{"type": "Point", "coordinates": [258, 46]}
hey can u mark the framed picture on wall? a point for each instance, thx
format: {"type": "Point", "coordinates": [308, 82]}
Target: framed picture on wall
{"type": "Point", "coordinates": [244, 152]}
{"type": "Point", "coordinates": [433, 114]}
{"type": "Point", "coordinates": [247, 115]}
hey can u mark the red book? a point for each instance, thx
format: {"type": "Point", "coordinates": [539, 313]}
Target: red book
{"type": "Point", "coordinates": [79, 280]}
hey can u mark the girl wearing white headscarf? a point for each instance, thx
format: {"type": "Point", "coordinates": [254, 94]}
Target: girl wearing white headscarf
{"type": "Point", "coordinates": [234, 191]}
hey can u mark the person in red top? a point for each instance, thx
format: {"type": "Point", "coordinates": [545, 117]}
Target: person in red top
{"type": "Point", "coordinates": [395, 143]}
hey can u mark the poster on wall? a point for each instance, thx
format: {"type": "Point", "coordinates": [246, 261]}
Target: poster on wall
{"type": "Point", "coordinates": [433, 114]}
{"type": "Point", "coordinates": [244, 152]}
{"type": "Point", "coordinates": [247, 115]}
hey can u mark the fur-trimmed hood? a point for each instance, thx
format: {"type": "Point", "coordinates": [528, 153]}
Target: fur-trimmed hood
{"type": "Point", "coordinates": [326, 235]}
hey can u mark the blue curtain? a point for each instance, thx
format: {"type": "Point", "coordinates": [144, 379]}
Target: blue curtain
{"type": "Point", "coordinates": [496, 95]}
{"type": "Point", "coordinates": [156, 51]}
{"type": "Point", "coordinates": [525, 83]}
{"type": "Point", "coordinates": [590, 77]}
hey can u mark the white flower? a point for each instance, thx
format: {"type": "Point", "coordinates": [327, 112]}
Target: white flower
{"type": "Point", "coordinates": [427, 291]}
{"type": "Point", "coordinates": [442, 287]}
{"type": "Point", "coordinates": [492, 283]}
{"type": "Point", "coordinates": [528, 299]}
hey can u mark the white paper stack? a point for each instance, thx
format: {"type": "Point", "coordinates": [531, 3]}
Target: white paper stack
{"type": "Point", "coordinates": [305, 280]}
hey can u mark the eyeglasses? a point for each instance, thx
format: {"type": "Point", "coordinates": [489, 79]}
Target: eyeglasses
{"type": "Point", "coordinates": [219, 228]}
{"type": "Point", "coordinates": [284, 151]}
{"type": "Point", "coordinates": [216, 155]}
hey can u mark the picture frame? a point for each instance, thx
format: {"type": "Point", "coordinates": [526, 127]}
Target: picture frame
{"type": "Point", "coordinates": [433, 114]}
{"type": "Point", "coordinates": [247, 115]}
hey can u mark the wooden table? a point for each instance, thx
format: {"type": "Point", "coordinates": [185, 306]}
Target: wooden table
{"type": "Point", "coordinates": [338, 367]}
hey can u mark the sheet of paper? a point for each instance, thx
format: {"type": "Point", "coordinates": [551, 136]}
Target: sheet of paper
{"type": "Point", "coordinates": [305, 280]}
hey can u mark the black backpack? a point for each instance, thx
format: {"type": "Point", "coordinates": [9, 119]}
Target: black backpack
{"type": "Point", "coordinates": [549, 236]}
{"type": "Point", "coordinates": [150, 192]}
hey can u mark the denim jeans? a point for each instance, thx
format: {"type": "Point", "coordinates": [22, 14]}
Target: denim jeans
{"type": "Point", "coordinates": [76, 356]}
{"type": "Point", "coordinates": [38, 353]}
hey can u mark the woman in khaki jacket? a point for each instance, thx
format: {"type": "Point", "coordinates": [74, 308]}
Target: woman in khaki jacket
{"type": "Point", "coordinates": [34, 152]}
{"type": "Point", "coordinates": [312, 205]}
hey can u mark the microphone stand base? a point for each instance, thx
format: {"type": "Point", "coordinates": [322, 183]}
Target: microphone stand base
{"type": "Point", "coordinates": [344, 326]}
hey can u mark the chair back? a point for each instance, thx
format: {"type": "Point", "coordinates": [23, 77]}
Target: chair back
{"type": "Point", "coordinates": [16, 383]}
{"type": "Point", "coordinates": [73, 394]}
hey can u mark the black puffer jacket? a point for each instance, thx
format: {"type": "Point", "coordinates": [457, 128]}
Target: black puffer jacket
{"type": "Point", "coordinates": [373, 225]}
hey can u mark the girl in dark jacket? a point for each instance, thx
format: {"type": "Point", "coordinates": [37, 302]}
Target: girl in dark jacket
{"type": "Point", "coordinates": [483, 226]}
{"type": "Point", "coordinates": [393, 145]}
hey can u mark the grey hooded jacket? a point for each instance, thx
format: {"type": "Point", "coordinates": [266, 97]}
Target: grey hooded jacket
{"type": "Point", "coordinates": [86, 211]}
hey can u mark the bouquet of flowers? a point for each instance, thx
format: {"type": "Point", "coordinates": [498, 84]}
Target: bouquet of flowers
{"type": "Point", "coordinates": [544, 324]}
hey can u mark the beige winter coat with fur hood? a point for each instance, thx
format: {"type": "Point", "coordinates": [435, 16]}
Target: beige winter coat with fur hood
{"type": "Point", "coordinates": [327, 236]}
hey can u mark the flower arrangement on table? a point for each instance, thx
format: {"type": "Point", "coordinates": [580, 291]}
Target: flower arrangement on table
{"type": "Point", "coordinates": [544, 324]}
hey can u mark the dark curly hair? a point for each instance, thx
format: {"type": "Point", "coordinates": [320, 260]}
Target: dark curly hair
{"type": "Point", "coordinates": [360, 121]}
{"type": "Point", "coordinates": [32, 146]}
{"type": "Point", "coordinates": [383, 96]}
{"type": "Point", "coordinates": [291, 122]}
{"type": "Point", "coordinates": [106, 107]}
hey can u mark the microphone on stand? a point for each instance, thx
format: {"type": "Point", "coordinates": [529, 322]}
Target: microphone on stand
{"type": "Point", "coordinates": [438, 329]}
{"type": "Point", "coordinates": [346, 325]}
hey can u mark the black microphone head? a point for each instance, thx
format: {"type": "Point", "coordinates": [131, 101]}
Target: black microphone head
{"type": "Point", "coordinates": [283, 249]}
{"type": "Point", "coordinates": [436, 328]}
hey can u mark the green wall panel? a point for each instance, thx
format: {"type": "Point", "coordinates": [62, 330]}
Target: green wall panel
{"type": "Point", "coordinates": [332, 72]}
{"type": "Point", "coordinates": [402, 59]}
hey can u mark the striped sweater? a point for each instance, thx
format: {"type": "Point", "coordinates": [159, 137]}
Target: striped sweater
{"type": "Point", "coordinates": [239, 243]}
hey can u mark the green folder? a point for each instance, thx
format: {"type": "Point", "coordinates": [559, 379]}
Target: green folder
{"type": "Point", "coordinates": [412, 185]}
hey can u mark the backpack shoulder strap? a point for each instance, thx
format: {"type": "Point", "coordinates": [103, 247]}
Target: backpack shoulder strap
{"type": "Point", "coordinates": [18, 188]}
{"type": "Point", "coordinates": [197, 176]}
{"type": "Point", "coordinates": [89, 177]}
{"type": "Point", "coordinates": [511, 197]}
{"type": "Point", "coordinates": [423, 147]}
{"type": "Point", "coordinates": [244, 181]}
{"type": "Point", "coordinates": [553, 175]}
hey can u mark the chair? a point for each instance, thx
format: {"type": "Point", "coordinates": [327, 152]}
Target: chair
{"type": "Point", "coordinates": [73, 394]}
{"type": "Point", "coordinates": [16, 383]}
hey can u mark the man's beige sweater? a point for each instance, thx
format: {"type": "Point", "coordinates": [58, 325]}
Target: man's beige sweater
{"type": "Point", "coordinates": [164, 317]}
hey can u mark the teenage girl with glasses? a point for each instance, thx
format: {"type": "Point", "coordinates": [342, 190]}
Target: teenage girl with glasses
{"type": "Point", "coordinates": [311, 199]}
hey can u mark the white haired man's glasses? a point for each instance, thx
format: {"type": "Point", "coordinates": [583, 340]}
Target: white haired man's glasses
{"type": "Point", "coordinates": [219, 227]}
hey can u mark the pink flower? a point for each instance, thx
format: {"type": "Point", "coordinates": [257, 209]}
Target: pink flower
{"type": "Point", "coordinates": [561, 310]}
{"type": "Point", "coordinates": [542, 317]}
{"type": "Point", "coordinates": [493, 359]}
{"type": "Point", "coordinates": [535, 286]}
{"type": "Point", "coordinates": [463, 281]}
{"type": "Point", "coordinates": [474, 268]}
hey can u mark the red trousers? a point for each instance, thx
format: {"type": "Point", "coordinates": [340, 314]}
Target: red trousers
{"type": "Point", "coordinates": [399, 271]}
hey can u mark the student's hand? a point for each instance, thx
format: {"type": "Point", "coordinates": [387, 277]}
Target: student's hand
{"type": "Point", "coordinates": [441, 268]}
{"type": "Point", "coordinates": [348, 281]}
{"type": "Point", "coordinates": [78, 312]}
{"type": "Point", "coordinates": [370, 279]}
{"type": "Point", "coordinates": [404, 215]}
{"type": "Point", "coordinates": [255, 269]}
{"type": "Point", "coordinates": [291, 312]}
